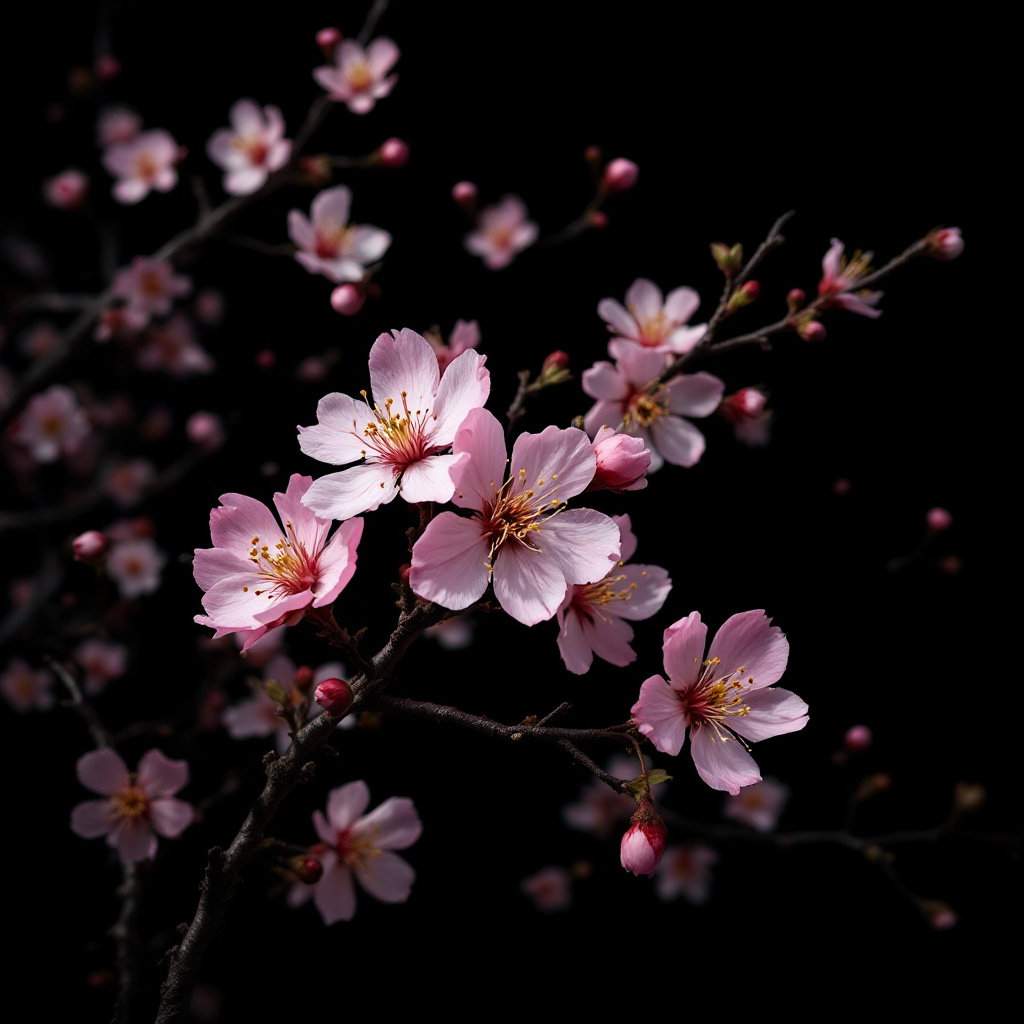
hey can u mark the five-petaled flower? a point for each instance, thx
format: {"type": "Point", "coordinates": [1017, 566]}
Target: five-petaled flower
{"type": "Point", "coordinates": [261, 573]}
{"type": "Point", "coordinates": [722, 700]}
{"type": "Point", "coordinates": [139, 805]}
{"type": "Point", "coordinates": [839, 276]}
{"type": "Point", "coordinates": [413, 418]}
{"type": "Point", "coordinates": [141, 164]}
{"type": "Point", "coordinates": [502, 231]}
{"type": "Point", "coordinates": [520, 532]}
{"type": "Point", "coordinates": [251, 148]}
{"type": "Point", "coordinates": [648, 321]}
{"type": "Point", "coordinates": [358, 77]}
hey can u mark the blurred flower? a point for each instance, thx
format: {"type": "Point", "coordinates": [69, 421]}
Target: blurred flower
{"type": "Point", "coordinates": [502, 231]}
{"type": "Point", "coordinates": [135, 566]}
{"type": "Point", "coordinates": [549, 889]}
{"type": "Point", "coordinates": [840, 275]}
{"type": "Point", "coordinates": [26, 688]}
{"type": "Point", "coordinates": [758, 806]}
{"type": "Point", "coordinates": [53, 424]}
{"type": "Point", "coordinates": [685, 871]}
{"type": "Point", "coordinates": [143, 163]}
{"type": "Point", "coordinates": [101, 661]}
{"type": "Point", "coordinates": [651, 323]}
{"type": "Point", "coordinates": [358, 77]}
{"type": "Point", "coordinates": [252, 148]}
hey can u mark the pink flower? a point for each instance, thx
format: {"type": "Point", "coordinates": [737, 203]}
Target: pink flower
{"type": "Point", "coordinates": [520, 532]}
{"type": "Point", "coordinates": [642, 846]}
{"type": "Point", "coordinates": [67, 190]}
{"type": "Point", "coordinates": [758, 806]}
{"type": "Point", "coordinates": [839, 275]}
{"type": "Point", "coordinates": [140, 806]}
{"type": "Point", "coordinates": [723, 700]}
{"type": "Point", "coordinates": [745, 410]}
{"type": "Point", "coordinates": [172, 348]}
{"type": "Point", "coordinates": [26, 688]}
{"type": "Point", "coordinates": [622, 462]}
{"type": "Point", "coordinates": [627, 397]}
{"type": "Point", "coordinates": [414, 417]}
{"type": "Point", "coordinates": [358, 77]}
{"type": "Point", "coordinates": [117, 125]}
{"type": "Point", "coordinates": [649, 322]}
{"type": "Point", "coordinates": [101, 661]}
{"type": "Point", "coordinates": [149, 287]}
{"type": "Point", "coordinates": [135, 565]}
{"type": "Point", "coordinates": [53, 424]}
{"type": "Point", "coordinates": [465, 335]}
{"type": "Point", "coordinates": [590, 618]}
{"type": "Point", "coordinates": [502, 232]}
{"type": "Point", "coordinates": [251, 148]}
{"type": "Point", "coordinates": [143, 163]}
{"type": "Point", "coordinates": [328, 244]}
{"type": "Point", "coordinates": [358, 846]}
{"type": "Point", "coordinates": [550, 888]}
{"type": "Point", "coordinates": [685, 871]}
{"type": "Point", "coordinates": [260, 574]}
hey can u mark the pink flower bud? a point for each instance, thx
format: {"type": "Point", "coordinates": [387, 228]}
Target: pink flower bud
{"type": "Point", "coordinates": [205, 430]}
{"type": "Point", "coordinates": [744, 295]}
{"type": "Point", "coordinates": [622, 462]}
{"type": "Point", "coordinates": [857, 738]}
{"type": "Point", "coordinates": [347, 299]}
{"type": "Point", "coordinates": [812, 330]}
{"type": "Point", "coordinates": [939, 915]}
{"type": "Point", "coordinates": [599, 219]}
{"type": "Point", "coordinates": [303, 678]}
{"type": "Point", "coordinates": [644, 843]}
{"type": "Point", "coordinates": [745, 405]}
{"type": "Point", "coordinates": [90, 547]}
{"type": "Point", "coordinates": [306, 869]}
{"type": "Point", "coordinates": [939, 519]}
{"type": "Point", "coordinates": [796, 299]}
{"type": "Point", "coordinates": [393, 153]}
{"type": "Point", "coordinates": [107, 67]}
{"type": "Point", "coordinates": [334, 696]}
{"type": "Point", "coordinates": [327, 39]}
{"type": "Point", "coordinates": [554, 362]}
{"type": "Point", "coordinates": [945, 244]}
{"type": "Point", "coordinates": [620, 175]}
{"type": "Point", "coordinates": [464, 193]}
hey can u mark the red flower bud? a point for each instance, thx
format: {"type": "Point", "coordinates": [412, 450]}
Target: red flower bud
{"type": "Point", "coordinates": [335, 697]}
{"type": "Point", "coordinates": [90, 547]}
{"type": "Point", "coordinates": [620, 175]}
{"type": "Point", "coordinates": [644, 843]}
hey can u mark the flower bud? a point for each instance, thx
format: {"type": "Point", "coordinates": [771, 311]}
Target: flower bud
{"type": "Point", "coordinates": [743, 406]}
{"type": "Point", "coordinates": [644, 843]}
{"type": "Point", "coordinates": [744, 295]}
{"type": "Point", "coordinates": [327, 39]}
{"type": "Point", "coordinates": [335, 697]}
{"type": "Point", "coordinates": [728, 259]}
{"type": "Point", "coordinates": [205, 430]}
{"type": "Point", "coordinates": [303, 678]}
{"type": "Point", "coordinates": [857, 738]}
{"type": "Point", "coordinates": [464, 193]}
{"type": "Point", "coordinates": [796, 299]}
{"type": "Point", "coordinates": [944, 244]}
{"type": "Point", "coordinates": [938, 519]}
{"type": "Point", "coordinates": [393, 153]}
{"type": "Point", "coordinates": [555, 369]}
{"type": "Point", "coordinates": [306, 869]}
{"type": "Point", "coordinates": [812, 330]}
{"type": "Point", "coordinates": [598, 219]}
{"type": "Point", "coordinates": [620, 175]}
{"type": "Point", "coordinates": [622, 462]}
{"type": "Point", "coordinates": [347, 299]}
{"type": "Point", "coordinates": [90, 547]}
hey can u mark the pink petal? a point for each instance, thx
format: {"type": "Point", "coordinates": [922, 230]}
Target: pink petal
{"type": "Point", "coordinates": [681, 304]}
{"type": "Point", "coordinates": [722, 761]}
{"type": "Point", "coordinates": [644, 297]}
{"type": "Point", "coordinates": [573, 645]}
{"type": "Point", "coordinates": [465, 386]}
{"type": "Point", "coordinates": [346, 803]}
{"type": "Point", "coordinates": [387, 877]}
{"type": "Point", "coordinates": [618, 317]}
{"type": "Point", "coordinates": [332, 205]}
{"type": "Point", "coordinates": [748, 640]}
{"type": "Point", "coordinates": [136, 841]}
{"type": "Point", "coordinates": [683, 649]}
{"type": "Point", "coordinates": [677, 440]}
{"type": "Point", "coordinates": [558, 462]}
{"type": "Point", "coordinates": [659, 715]}
{"type": "Point", "coordinates": [404, 363]}
{"type": "Point", "coordinates": [694, 394]}
{"type": "Point", "coordinates": [449, 562]}
{"type": "Point", "coordinates": [582, 543]}
{"type": "Point", "coordinates": [528, 585]}
{"type": "Point", "coordinates": [102, 771]}
{"type": "Point", "coordinates": [772, 712]}
{"type": "Point", "coordinates": [337, 437]}
{"type": "Point", "coordinates": [381, 56]}
{"type": "Point", "coordinates": [429, 479]}
{"type": "Point", "coordinates": [335, 895]}
{"type": "Point", "coordinates": [170, 818]}
{"type": "Point", "coordinates": [93, 819]}
{"type": "Point", "coordinates": [652, 586]}
{"type": "Point", "coordinates": [337, 562]}
{"type": "Point", "coordinates": [358, 489]}
{"type": "Point", "coordinates": [300, 231]}
{"type": "Point", "coordinates": [603, 380]}
{"type": "Point", "coordinates": [159, 775]}
{"type": "Point", "coordinates": [394, 825]}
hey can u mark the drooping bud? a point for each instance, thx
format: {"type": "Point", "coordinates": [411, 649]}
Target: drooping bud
{"type": "Point", "coordinates": [728, 259]}
{"type": "Point", "coordinates": [944, 244]}
{"type": "Point", "coordinates": [744, 295]}
{"type": "Point", "coordinates": [347, 299]}
{"type": "Point", "coordinates": [620, 175]}
{"type": "Point", "coordinates": [938, 519]}
{"type": "Point", "coordinates": [598, 219]}
{"type": "Point", "coordinates": [622, 462]}
{"type": "Point", "coordinates": [335, 697]}
{"type": "Point", "coordinates": [393, 153]}
{"type": "Point", "coordinates": [643, 844]}
{"type": "Point", "coordinates": [796, 299]}
{"type": "Point", "coordinates": [90, 547]}
{"type": "Point", "coordinates": [306, 869]}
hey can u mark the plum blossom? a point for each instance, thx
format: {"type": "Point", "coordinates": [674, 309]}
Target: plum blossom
{"type": "Point", "coordinates": [648, 321]}
{"type": "Point", "coordinates": [26, 688]}
{"type": "Point", "coordinates": [53, 424]}
{"type": "Point", "coordinates": [139, 805]}
{"type": "Point", "coordinates": [722, 700]}
{"type": "Point", "coordinates": [328, 244]}
{"type": "Point", "coordinates": [643, 843]}
{"type": "Point", "coordinates": [149, 288]}
{"type": "Point", "coordinates": [101, 662]}
{"type": "Point", "coordinates": [628, 397]}
{"type": "Point", "coordinates": [685, 871]}
{"type": "Point", "coordinates": [549, 889]}
{"type": "Point", "coordinates": [135, 564]}
{"type": "Point", "coordinates": [590, 617]}
{"type": "Point", "coordinates": [141, 164]}
{"type": "Point", "coordinates": [622, 462]}
{"type": "Point", "coordinates": [117, 125]}
{"type": "Point", "coordinates": [464, 335]}
{"type": "Point", "coordinates": [600, 809]}
{"type": "Point", "coordinates": [260, 574]}
{"type": "Point", "coordinates": [252, 148]}
{"type": "Point", "coordinates": [502, 232]}
{"type": "Point", "coordinates": [520, 533]}
{"type": "Point", "coordinates": [67, 190]}
{"type": "Point", "coordinates": [414, 416]}
{"type": "Point", "coordinates": [358, 848]}
{"type": "Point", "coordinates": [758, 806]}
{"type": "Point", "coordinates": [839, 275]}
{"type": "Point", "coordinates": [358, 77]}
{"type": "Point", "coordinates": [172, 348]}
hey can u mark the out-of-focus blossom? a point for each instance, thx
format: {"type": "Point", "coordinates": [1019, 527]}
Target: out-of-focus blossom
{"type": "Point", "coordinates": [139, 805]}
{"type": "Point", "coordinates": [67, 190]}
{"type": "Point", "coordinates": [620, 175]}
{"type": "Point", "coordinates": [206, 430]}
{"type": "Point", "coordinates": [209, 306]}
{"type": "Point", "coordinates": [648, 321]}
{"type": "Point", "coordinates": [358, 77]}
{"type": "Point", "coordinates": [685, 871]}
{"type": "Point", "coordinates": [328, 244]}
{"type": "Point", "coordinates": [415, 415]}
{"type": "Point", "coordinates": [101, 662]}
{"type": "Point", "coordinates": [358, 848]}
{"type": "Point", "coordinates": [149, 287]}
{"type": "Point", "coordinates": [53, 424]}
{"type": "Point", "coordinates": [549, 889]}
{"type": "Point", "coordinates": [840, 275]}
{"type": "Point", "coordinates": [600, 810]}
{"type": "Point", "coordinates": [627, 398]}
{"type": "Point", "coordinates": [745, 410]}
{"type": "Point", "coordinates": [26, 688]}
{"type": "Point", "coordinates": [251, 149]}
{"type": "Point", "coordinates": [723, 700]}
{"type": "Point", "coordinates": [126, 482]}
{"type": "Point", "coordinates": [591, 618]}
{"type": "Point", "coordinates": [90, 547]}
{"type": "Point", "coordinates": [758, 806]}
{"type": "Point", "coordinates": [464, 193]}
{"type": "Point", "coordinates": [135, 566]}
{"type": "Point", "coordinates": [172, 347]}
{"type": "Point", "coordinates": [39, 339]}
{"type": "Point", "coordinates": [520, 532]}
{"type": "Point", "coordinates": [944, 244]}
{"type": "Point", "coordinates": [393, 153]}
{"type": "Point", "coordinates": [117, 125]}
{"type": "Point", "coordinates": [260, 574]}
{"type": "Point", "coordinates": [622, 462]}
{"type": "Point", "coordinates": [454, 634]}
{"type": "Point", "coordinates": [502, 231]}
{"type": "Point", "coordinates": [144, 163]}
{"type": "Point", "coordinates": [939, 519]}
{"type": "Point", "coordinates": [347, 299]}
{"type": "Point", "coordinates": [465, 335]}
{"type": "Point", "coordinates": [119, 322]}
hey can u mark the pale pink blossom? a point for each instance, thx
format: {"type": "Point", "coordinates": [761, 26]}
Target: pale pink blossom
{"type": "Point", "coordinates": [629, 400]}
{"type": "Point", "coordinates": [465, 335]}
{"type": "Point", "coordinates": [649, 321]}
{"type": "Point", "coordinates": [454, 634]}
{"type": "Point", "coordinates": [685, 871]}
{"type": "Point", "coordinates": [251, 149]}
{"type": "Point", "coordinates": [67, 190]}
{"type": "Point", "coordinates": [840, 275]}
{"type": "Point", "coordinates": [591, 616]}
{"type": "Point", "coordinates": [723, 700]}
{"type": "Point", "coordinates": [149, 287]}
{"type": "Point", "coordinates": [622, 462]}
{"type": "Point", "coordinates": [26, 688]}
{"type": "Point", "coordinates": [126, 481]}
{"type": "Point", "coordinates": [52, 425]}
{"type": "Point", "coordinates": [502, 231]}
{"type": "Point", "coordinates": [758, 806]}
{"type": "Point", "coordinates": [101, 661]}
{"type": "Point", "coordinates": [358, 77]}
{"type": "Point", "coordinates": [135, 566]}
{"type": "Point", "coordinates": [139, 805]}
{"type": "Point", "coordinates": [260, 574]}
{"type": "Point", "coordinates": [143, 163]}
{"type": "Point", "coordinates": [328, 244]}
{"type": "Point", "coordinates": [601, 810]}
{"type": "Point", "coordinates": [172, 348]}
{"type": "Point", "coordinates": [414, 417]}
{"type": "Point", "coordinates": [550, 889]}
{"type": "Point", "coordinates": [117, 125]}
{"type": "Point", "coordinates": [359, 849]}
{"type": "Point", "coordinates": [520, 533]}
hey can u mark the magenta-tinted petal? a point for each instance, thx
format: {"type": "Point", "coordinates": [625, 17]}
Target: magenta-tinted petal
{"type": "Point", "coordinates": [159, 775]}
{"type": "Point", "coordinates": [449, 562]}
{"type": "Point", "coordinates": [659, 715]}
{"type": "Point", "coordinates": [558, 463]}
{"type": "Point", "coordinates": [573, 644]}
{"type": "Point", "coordinates": [335, 895]}
{"type": "Point", "coordinates": [337, 562]}
{"type": "Point", "coordinates": [394, 825]}
{"type": "Point", "coordinates": [369, 243]}
{"type": "Point", "coordinates": [722, 761]}
{"type": "Point", "coordinates": [465, 386]}
{"type": "Point", "coordinates": [582, 543]}
{"type": "Point", "coordinates": [648, 586]}
{"type": "Point", "coordinates": [644, 298]}
{"type": "Point", "coordinates": [603, 380]}
{"type": "Point", "coordinates": [93, 819]}
{"type": "Point", "coordinates": [238, 519]}
{"type": "Point", "coordinates": [136, 842]}
{"type": "Point", "coordinates": [429, 479]}
{"type": "Point", "coordinates": [346, 803]}
{"type": "Point", "coordinates": [337, 437]}
{"type": "Point", "coordinates": [683, 649]}
{"type": "Point", "coordinates": [381, 56]}
{"type": "Point", "coordinates": [749, 641]}
{"type": "Point", "coordinates": [405, 363]}
{"type": "Point", "coordinates": [610, 639]}
{"type": "Point", "coordinates": [681, 304]}
{"type": "Point", "coordinates": [169, 817]}
{"type": "Point", "coordinates": [478, 479]}
{"type": "Point", "coordinates": [772, 712]}
{"type": "Point", "coordinates": [102, 771]}
{"type": "Point", "coordinates": [387, 877]}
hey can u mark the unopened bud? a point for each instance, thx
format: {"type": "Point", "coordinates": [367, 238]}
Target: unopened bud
{"type": "Point", "coordinates": [464, 193]}
{"type": "Point", "coordinates": [303, 678]}
{"type": "Point", "coordinates": [347, 299]}
{"type": "Point", "coordinates": [939, 915]}
{"type": "Point", "coordinates": [306, 869]}
{"type": "Point", "coordinates": [745, 405]}
{"type": "Point", "coordinates": [727, 259]}
{"type": "Point", "coordinates": [205, 429]}
{"type": "Point", "coordinates": [620, 175]}
{"type": "Point", "coordinates": [744, 295]}
{"type": "Point", "coordinates": [598, 219]}
{"type": "Point", "coordinates": [812, 330]}
{"type": "Point", "coordinates": [622, 462]}
{"type": "Point", "coordinates": [796, 299]}
{"type": "Point", "coordinates": [643, 844]}
{"type": "Point", "coordinates": [393, 153]}
{"type": "Point", "coordinates": [335, 697]}
{"type": "Point", "coordinates": [944, 244]}
{"type": "Point", "coordinates": [857, 738]}
{"type": "Point", "coordinates": [938, 519]}
{"type": "Point", "coordinates": [327, 39]}
{"type": "Point", "coordinates": [90, 547]}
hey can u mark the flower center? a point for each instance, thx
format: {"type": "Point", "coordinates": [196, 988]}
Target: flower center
{"type": "Point", "coordinates": [714, 697]}
{"type": "Point", "coordinates": [399, 439]}
{"type": "Point", "coordinates": [356, 848]}
{"type": "Point", "coordinates": [145, 167]}
{"type": "Point", "coordinates": [359, 75]}
{"type": "Point", "coordinates": [652, 329]}
{"type": "Point", "coordinates": [517, 516]}
{"type": "Point", "coordinates": [254, 148]}
{"type": "Point", "coordinates": [288, 568]}
{"type": "Point", "coordinates": [850, 272]}
{"type": "Point", "coordinates": [644, 408]}
{"type": "Point", "coordinates": [131, 803]}
{"type": "Point", "coordinates": [332, 238]}
{"type": "Point", "coordinates": [589, 600]}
